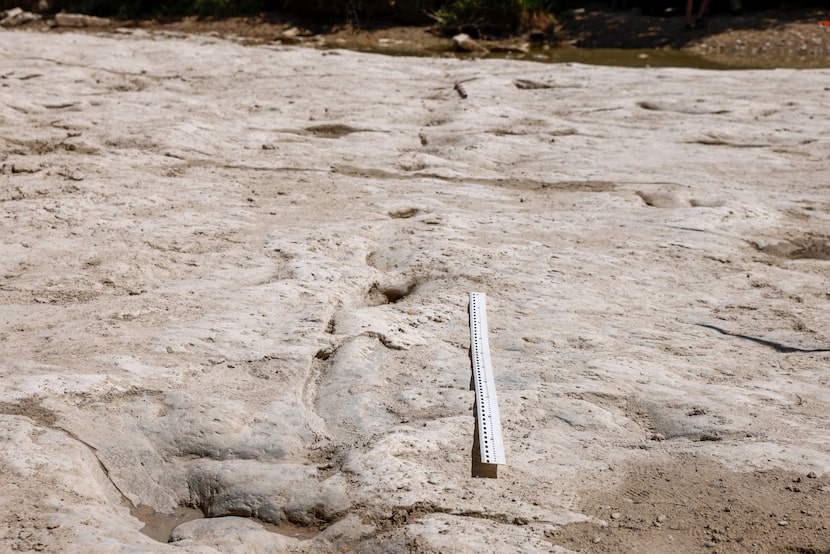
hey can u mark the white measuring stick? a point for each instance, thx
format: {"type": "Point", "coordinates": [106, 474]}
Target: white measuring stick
{"type": "Point", "coordinates": [489, 424]}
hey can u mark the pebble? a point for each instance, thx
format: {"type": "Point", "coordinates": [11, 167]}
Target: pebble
{"type": "Point", "coordinates": [616, 515]}
{"type": "Point", "coordinates": [463, 43]}
{"type": "Point", "coordinates": [783, 523]}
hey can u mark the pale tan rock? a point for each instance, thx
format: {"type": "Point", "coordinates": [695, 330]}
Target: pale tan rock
{"type": "Point", "coordinates": [463, 43]}
{"type": "Point", "coordinates": [79, 20]}
{"type": "Point", "coordinates": [17, 16]}
{"type": "Point", "coordinates": [282, 333]}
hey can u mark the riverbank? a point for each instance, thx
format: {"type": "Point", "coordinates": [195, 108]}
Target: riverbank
{"type": "Point", "coordinates": [787, 39]}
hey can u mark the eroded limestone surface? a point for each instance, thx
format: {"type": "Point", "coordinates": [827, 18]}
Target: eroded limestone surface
{"type": "Point", "coordinates": [235, 279]}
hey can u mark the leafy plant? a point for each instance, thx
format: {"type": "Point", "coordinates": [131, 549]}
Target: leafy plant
{"type": "Point", "coordinates": [475, 16]}
{"type": "Point", "coordinates": [491, 16]}
{"type": "Point", "coordinates": [479, 15]}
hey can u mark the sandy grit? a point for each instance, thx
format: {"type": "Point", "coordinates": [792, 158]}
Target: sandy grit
{"type": "Point", "coordinates": [234, 284]}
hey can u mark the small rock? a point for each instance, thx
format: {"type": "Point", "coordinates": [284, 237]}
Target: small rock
{"type": "Point", "coordinates": [520, 520]}
{"type": "Point", "coordinates": [24, 168]}
{"type": "Point", "coordinates": [616, 515]}
{"type": "Point", "coordinates": [79, 20]}
{"type": "Point", "coordinates": [661, 518]}
{"type": "Point", "coordinates": [291, 32]}
{"type": "Point", "coordinates": [72, 175]}
{"type": "Point", "coordinates": [811, 475]}
{"type": "Point", "coordinates": [14, 12]}
{"type": "Point", "coordinates": [528, 84]}
{"type": "Point", "coordinates": [463, 43]}
{"type": "Point", "coordinates": [16, 16]}
{"type": "Point", "coordinates": [783, 523]}
{"type": "Point", "coordinates": [511, 49]}
{"type": "Point", "coordinates": [574, 13]}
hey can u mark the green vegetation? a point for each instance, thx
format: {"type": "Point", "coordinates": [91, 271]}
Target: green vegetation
{"type": "Point", "coordinates": [477, 17]}
{"type": "Point", "coordinates": [493, 16]}
{"type": "Point", "coordinates": [128, 9]}
{"type": "Point", "coordinates": [466, 13]}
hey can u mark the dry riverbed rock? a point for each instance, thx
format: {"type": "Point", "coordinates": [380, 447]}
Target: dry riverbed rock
{"type": "Point", "coordinates": [80, 20]}
{"type": "Point", "coordinates": [234, 279]}
{"type": "Point", "coordinates": [17, 16]}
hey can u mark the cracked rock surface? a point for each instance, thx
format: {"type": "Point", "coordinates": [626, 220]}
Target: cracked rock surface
{"type": "Point", "coordinates": [234, 279]}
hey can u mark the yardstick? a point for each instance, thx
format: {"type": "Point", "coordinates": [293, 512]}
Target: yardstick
{"type": "Point", "coordinates": [487, 406]}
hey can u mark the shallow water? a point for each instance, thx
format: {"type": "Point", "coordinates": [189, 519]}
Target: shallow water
{"type": "Point", "coordinates": [615, 57]}
{"type": "Point", "coordinates": [158, 525]}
